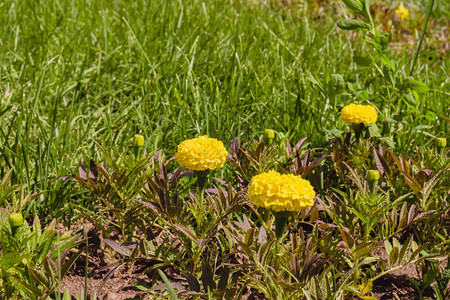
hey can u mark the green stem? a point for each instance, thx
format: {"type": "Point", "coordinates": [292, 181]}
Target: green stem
{"type": "Point", "coordinates": [201, 179]}
{"type": "Point", "coordinates": [280, 225]}
{"type": "Point", "coordinates": [281, 218]}
{"type": "Point", "coordinates": [136, 152]}
{"type": "Point", "coordinates": [366, 233]}
{"type": "Point", "coordinates": [373, 185]}
{"type": "Point", "coordinates": [430, 8]}
{"type": "Point", "coordinates": [358, 128]}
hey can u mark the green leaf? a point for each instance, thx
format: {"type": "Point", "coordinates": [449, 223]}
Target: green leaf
{"type": "Point", "coordinates": [428, 278]}
{"type": "Point", "coordinates": [374, 131]}
{"type": "Point", "coordinates": [168, 284]}
{"type": "Point", "coordinates": [347, 238]}
{"type": "Point", "coordinates": [31, 291]}
{"type": "Point", "coordinates": [142, 286]}
{"type": "Point", "coordinates": [39, 277]}
{"type": "Point", "coordinates": [388, 142]}
{"type": "Point", "coordinates": [352, 24]}
{"type": "Point", "coordinates": [393, 256]}
{"type": "Point", "coordinates": [382, 40]}
{"type": "Point", "coordinates": [315, 82]}
{"type": "Point", "coordinates": [415, 283]}
{"type": "Point", "coordinates": [66, 295]}
{"type": "Point", "coordinates": [416, 85]}
{"type": "Point", "coordinates": [363, 61]}
{"type": "Point", "coordinates": [69, 262]}
{"type": "Point", "coordinates": [387, 247]}
{"type": "Point", "coordinates": [410, 100]}
{"type": "Point", "coordinates": [386, 61]}
{"type": "Point", "coordinates": [355, 5]}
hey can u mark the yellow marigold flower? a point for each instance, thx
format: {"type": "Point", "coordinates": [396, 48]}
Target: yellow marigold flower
{"type": "Point", "coordinates": [279, 192]}
{"type": "Point", "coordinates": [401, 12]}
{"type": "Point", "coordinates": [201, 153]}
{"type": "Point", "coordinates": [357, 114]}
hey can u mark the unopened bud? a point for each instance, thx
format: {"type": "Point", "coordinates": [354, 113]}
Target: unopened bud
{"type": "Point", "coordinates": [337, 84]}
{"type": "Point", "coordinates": [269, 134]}
{"type": "Point", "coordinates": [15, 220]}
{"type": "Point", "coordinates": [440, 142]}
{"type": "Point", "coordinates": [138, 140]}
{"type": "Point", "coordinates": [373, 175]}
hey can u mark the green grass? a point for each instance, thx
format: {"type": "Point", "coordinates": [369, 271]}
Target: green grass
{"type": "Point", "coordinates": [78, 72]}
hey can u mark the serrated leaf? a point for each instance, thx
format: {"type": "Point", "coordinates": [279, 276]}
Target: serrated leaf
{"type": "Point", "coordinates": [364, 249]}
{"type": "Point", "coordinates": [374, 131]}
{"type": "Point", "coordinates": [388, 142]}
{"type": "Point", "coordinates": [387, 247]}
{"type": "Point", "coordinates": [122, 250]}
{"type": "Point", "coordinates": [405, 248]}
{"type": "Point", "coordinates": [28, 289]}
{"type": "Point", "coordinates": [403, 216]}
{"type": "Point", "coordinates": [393, 256]}
{"type": "Point", "coordinates": [39, 277]}
{"type": "Point", "coordinates": [396, 243]}
{"type": "Point", "coordinates": [67, 244]}
{"type": "Point", "coordinates": [50, 268]}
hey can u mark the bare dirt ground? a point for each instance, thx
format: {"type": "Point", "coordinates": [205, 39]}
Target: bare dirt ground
{"type": "Point", "coordinates": [121, 284]}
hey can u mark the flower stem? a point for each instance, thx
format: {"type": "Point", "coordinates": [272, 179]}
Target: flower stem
{"type": "Point", "coordinates": [201, 179]}
{"type": "Point", "coordinates": [281, 218]}
{"type": "Point", "coordinates": [358, 128]}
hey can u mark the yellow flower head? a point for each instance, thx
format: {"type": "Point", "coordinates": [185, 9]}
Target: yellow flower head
{"type": "Point", "coordinates": [201, 153]}
{"type": "Point", "coordinates": [357, 114]}
{"type": "Point", "coordinates": [279, 192]}
{"type": "Point", "coordinates": [401, 12]}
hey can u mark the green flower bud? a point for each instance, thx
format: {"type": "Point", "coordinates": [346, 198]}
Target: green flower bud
{"type": "Point", "coordinates": [15, 220]}
{"type": "Point", "coordinates": [138, 140]}
{"type": "Point", "coordinates": [440, 142]}
{"type": "Point", "coordinates": [337, 84]}
{"type": "Point", "coordinates": [269, 134]}
{"type": "Point", "coordinates": [373, 175]}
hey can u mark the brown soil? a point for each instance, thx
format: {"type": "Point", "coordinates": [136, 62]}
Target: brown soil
{"type": "Point", "coordinates": [121, 283]}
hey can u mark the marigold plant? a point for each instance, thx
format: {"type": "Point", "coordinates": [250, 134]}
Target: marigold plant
{"type": "Point", "coordinates": [359, 114]}
{"type": "Point", "coordinates": [279, 192]}
{"type": "Point", "coordinates": [201, 153]}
